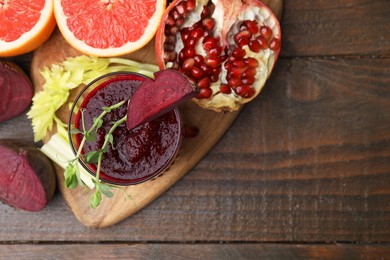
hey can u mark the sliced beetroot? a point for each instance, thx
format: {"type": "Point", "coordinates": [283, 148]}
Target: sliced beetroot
{"type": "Point", "coordinates": [154, 98]}
{"type": "Point", "coordinates": [16, 90]}
{"type": "Point", "coordinates": [27, 177]}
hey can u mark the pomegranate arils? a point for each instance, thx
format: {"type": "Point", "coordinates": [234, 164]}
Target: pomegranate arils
{"type": "Point", "coordinates": [204, 82]}
{"type": "Point", "coordinates": [225, 89]}
{"type": "Point", "coordinates": [197, 73]}
{"type": "Point", "coordinates": [208, 23]}
{"type": "Point", "coordinates": [215, 52]}
{"type": "Point", "coordinates": [209, 43]}
{"type": "Point", "coordinates": [266, 31]}
{"type": "Point", "coordinates": [238, 53]}
{"type": "Point", "coordinates": [254, 46]}
{"type": "Point", "coordinates": [242, 36]}
{"type": "Point", "coordinates": [274, 44]}
{"type": "Point", "coordinates": [252, 26]}
{"type": "Point", "coordinates": [262, 42]}
{"type": "Point", "coordinates": [251, 62]}
{"type": "Point", "coordinates": [250, 72]}
{"type": "Point", "coordinates": [206, 59]}
{"type": "Point", "coordinates": [198, 59]}
{"type": "Point", "coordinates": [204, 93]}
{"type": "Point", "coordinates": [213, 62]}
{"type": "Point", "coordinates": [188, 64]}
{"type": "Point", "coordinates": [190, 4]}
{"type": "Point", "coordinates": [197, 33]}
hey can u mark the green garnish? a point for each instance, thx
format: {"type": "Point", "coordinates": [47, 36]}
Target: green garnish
{"type": "Point", "coordinates": [63, 77]}
{"type": "Point", "coordinates": [72, 170]}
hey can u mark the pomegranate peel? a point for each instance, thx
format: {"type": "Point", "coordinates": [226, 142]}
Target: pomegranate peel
{"type": "Point", "coordinates": [224, 41]}
{"type": "Point", "coordinates": [154, 98]}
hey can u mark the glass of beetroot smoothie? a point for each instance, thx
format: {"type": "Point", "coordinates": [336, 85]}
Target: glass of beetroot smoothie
{"type": "Point", "coordinates": [134, 156]}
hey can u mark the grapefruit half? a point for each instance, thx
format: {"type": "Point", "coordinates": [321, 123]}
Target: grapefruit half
{"type": "Point", "coordinates": [108, 28]}
{"type": "Point", "coordinates": [24, 25]}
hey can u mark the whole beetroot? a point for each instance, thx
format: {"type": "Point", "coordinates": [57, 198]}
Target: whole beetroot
{"type": "Point", "coordinates": [27, 177]}
{"type": "Point", "coordinates": [16, 90]}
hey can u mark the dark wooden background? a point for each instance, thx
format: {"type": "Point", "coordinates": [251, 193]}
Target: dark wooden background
{"type": "Point", "coordinates": [304, 171]}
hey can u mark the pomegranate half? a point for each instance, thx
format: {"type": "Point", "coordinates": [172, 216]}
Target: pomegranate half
{"type": "Point", "coordinates": [228, 48]}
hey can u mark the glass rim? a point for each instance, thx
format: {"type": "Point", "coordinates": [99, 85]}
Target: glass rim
{"type": "Point", "coordinates": [123, 182]}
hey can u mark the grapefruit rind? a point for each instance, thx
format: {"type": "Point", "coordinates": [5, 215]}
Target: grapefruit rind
{"type": "Point", "coordinates": [32, 39]}
{"type": "Point", "coordinates": [126, 48]}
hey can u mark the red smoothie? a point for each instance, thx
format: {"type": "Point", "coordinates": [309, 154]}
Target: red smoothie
{"type": "Point", "coordinates": [139, 154]}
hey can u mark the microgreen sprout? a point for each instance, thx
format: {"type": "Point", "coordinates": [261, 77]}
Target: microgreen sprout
{"type": "Point", "coordinates": [72, 172]}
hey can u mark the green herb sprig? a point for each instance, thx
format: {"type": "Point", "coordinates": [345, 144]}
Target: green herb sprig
{"type": "Point", "coordinates": [72, 171]}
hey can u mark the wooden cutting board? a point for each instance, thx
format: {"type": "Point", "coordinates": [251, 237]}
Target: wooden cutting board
{"type": "Point", "coordinates": [211, 127]}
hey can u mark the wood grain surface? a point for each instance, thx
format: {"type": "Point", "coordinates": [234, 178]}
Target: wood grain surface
{"type": "Point", "coordinates": [302, 173]}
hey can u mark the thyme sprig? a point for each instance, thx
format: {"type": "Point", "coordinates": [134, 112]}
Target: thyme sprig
{"type": "Point", "coordinates": [72, 171]}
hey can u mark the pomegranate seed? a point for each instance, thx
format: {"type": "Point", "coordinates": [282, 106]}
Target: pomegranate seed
{"type": "Point", "coordinates": [216, 71]}
{"type": "Point", "coordinates": [225, 89]}
{"type": "Point", "coordinates": [170, 39]}
{"type": "Point", "coordinates": [169, 46]}
{"type": "Point", "coordinates": [238, 53]}
{"type": "Point", "coordinates": [262, 41]}
{"type": "Point", "coordinates": [213, 62]}
{"type": "Point", "coordinates": [197, 73]}
{"type": "Point", "coordinates": [251, 62]}
{"type": "Point", "coordinates": [190, 4]}
{"type": "Point", "coordinates": [215, 52]}
{"type": "Point", "coordinates": [174, 29]}
{"type": "Point", "coordinates": [208, 23]}
{"type": "Point", "coordinates": [185, 34]}
{"type": "Point", "coordinates": [214, 77]}
{"type": "Point", "coordinates": [236, 72]}
{"type": "Point", "coordinates": [175, 14]}
{"type": "Point", "coordinates": [197, 33]}
{"type": "Point", "coordinates": [254, 46]}
{"type": "Point", "coordinates": [198, 59]}
{"type": "Point", "coordinates": [179, 21]}
{"type": "Point", "coordinates": [170, 56]}
{"type": "Point", "coordinates": [274, 44]}
{"type": "Point", "coordinates": [250, 72]}
{"type": "Point", "coordinates": [189, 52]}
{"type": "Point", "coordinates": [266, 31]}
{"type": "Point", "coordinates": [170, 21]}
{"type": "Point", "coordinates": [242, 35]}
{"type": "Point", "coordinates": [249, 93]}
{"type": "Point", "coordinates": [190, 42]}
{"type": "Point", "coordinates": [204, 68]}
{"type": "Point", "coordinates": [241, 90]}
{"type": "Point", "coordinates": [209, 43]}
{"type": "Point", "coordinates": [247, 80]}
{"type": "Point", "coordinates": [239, 63]}
{"type": "Point", "coordinates": [252, 26]}
{"type": "Point", "coordinates": [242, 42]}
{"type": "Point", "coordinates": [204, 93]}
{"type": "Point", "coordinates": [188, 64]}
{"type": "Point", "coordinates": [204, 82]}
{"type": "Point", "coordinates": [234, 82]}
{"type": "Point", "coordinates": [205, 12]}
{"type": "Point", "coordinates": [181, 8]}
{"type": "Point", "coordinates": [228, 65]}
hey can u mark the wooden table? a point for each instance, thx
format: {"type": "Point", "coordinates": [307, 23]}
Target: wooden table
{"type": "Point", "coordinates": [303, 172]}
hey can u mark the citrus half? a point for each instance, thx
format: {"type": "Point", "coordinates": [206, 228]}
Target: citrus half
{"type": "Point", "coordinates": [108, 27]}
{"type": "Point", "coordinates": [24, 25]}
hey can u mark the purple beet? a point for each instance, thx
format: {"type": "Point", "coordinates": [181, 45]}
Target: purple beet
{"type": "Point", "coordinates": [27, 177]}
{"type": "Point", "coordinates": [154, 98]}
{"type": "Point", "coordinates": [16, 90]}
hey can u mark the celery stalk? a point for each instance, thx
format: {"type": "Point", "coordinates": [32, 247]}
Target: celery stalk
{"type": "Point", "coordinates": [59, 151]}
